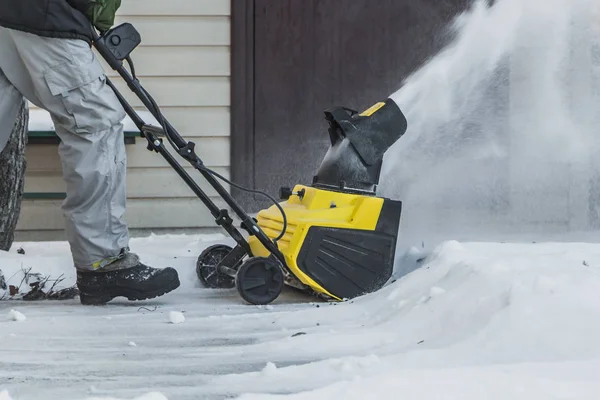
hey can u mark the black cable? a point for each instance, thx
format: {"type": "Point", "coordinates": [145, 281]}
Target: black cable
{"type": "Point", "coordinates": [161, 118]}
{"type": "Point", "coordinates": [132, 67]}
{"type": "Point", "coordinates": [275, 202]}
{"type": "Point", "coordinates": [199, 165]}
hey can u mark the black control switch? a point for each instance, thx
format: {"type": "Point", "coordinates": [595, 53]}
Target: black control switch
{"type": "Point", "coordinates": [285, 193]}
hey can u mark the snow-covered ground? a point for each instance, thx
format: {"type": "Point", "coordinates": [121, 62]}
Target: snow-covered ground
{"type": "Point", "coordinates": [476, 321]}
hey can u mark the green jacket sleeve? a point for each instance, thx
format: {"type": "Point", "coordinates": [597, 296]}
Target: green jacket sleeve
{"type": "Point", "coordinates": [101, 13]}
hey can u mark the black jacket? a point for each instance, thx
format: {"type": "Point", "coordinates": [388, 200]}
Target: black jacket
{"type": "Point", "coordinates": [49, 18]}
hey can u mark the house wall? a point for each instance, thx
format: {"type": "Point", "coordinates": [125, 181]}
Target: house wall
{"type": "Point", "coordinates": [295, 58]}
{"type": "Point", "coordinates": [184, 62]}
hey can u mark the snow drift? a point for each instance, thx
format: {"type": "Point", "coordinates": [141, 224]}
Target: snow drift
{"type": "Point", "coordinates": [478, 320]}
{"type": "Point", "coordinates": [500, 141]}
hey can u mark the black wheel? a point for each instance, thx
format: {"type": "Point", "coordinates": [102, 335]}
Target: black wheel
{"type": "Point", "coordinates": [259, 280]}
{"type": "Point", "coordinates": [206, 268]}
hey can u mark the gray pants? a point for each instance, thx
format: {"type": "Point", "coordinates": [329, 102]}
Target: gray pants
{"type": "Point", "coordinates": [65, 78]}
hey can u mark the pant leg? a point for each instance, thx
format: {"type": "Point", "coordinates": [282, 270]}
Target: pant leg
{"type": "Point", "coordinates": [10, 101]}
{"type": "Point", "coordinates": [64, 77]}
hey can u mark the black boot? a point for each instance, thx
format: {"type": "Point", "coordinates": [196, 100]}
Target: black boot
{"type": "Point", "coordinates": [133, 280]}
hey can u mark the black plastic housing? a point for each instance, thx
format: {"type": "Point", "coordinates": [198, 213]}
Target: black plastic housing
{"type": "Point", "coordinates": [358, 143]}
{"type": "Point", "coordinates": [118, 43]}
{"type": "Point", "coordinates": [351, 262]}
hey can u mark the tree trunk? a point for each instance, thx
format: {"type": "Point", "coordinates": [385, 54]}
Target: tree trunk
{"type": "Point", "coordinates": [12, 171]}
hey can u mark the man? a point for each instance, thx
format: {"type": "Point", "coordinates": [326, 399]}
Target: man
{"type": "Point", "coordinates": [46, 56]}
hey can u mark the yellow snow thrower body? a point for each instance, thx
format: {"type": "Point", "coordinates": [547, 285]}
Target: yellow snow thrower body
{"type": "Point", "coordinates": [340, 238]}
{"type": "Point", "coordinates": [334, 237]}
{"type": "Point", "coordinates": [338, 245]}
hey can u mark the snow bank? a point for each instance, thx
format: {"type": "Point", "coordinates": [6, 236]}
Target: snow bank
{"type": "Point", "coordinates": [479, 320]}
{"type": "Point", "coordinates": [491, 303]}
{"type": "Point", "coordinates": [4, 395]}
{"type": "Point", "coordinates": [527, 382]}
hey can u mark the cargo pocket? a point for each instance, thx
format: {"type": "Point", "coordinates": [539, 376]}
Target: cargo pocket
{"type": "Point", "coordinates": [87, 102]}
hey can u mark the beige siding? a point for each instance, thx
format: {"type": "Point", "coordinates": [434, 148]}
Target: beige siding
{"type": "Point", "coordinates": [184, 62]}
{"type": "Point", "coordinates": [164, 186]}
{"type": "Point", "coordinates": [174, 91]}
{"type": "Point", "coordinates": [141, 213]}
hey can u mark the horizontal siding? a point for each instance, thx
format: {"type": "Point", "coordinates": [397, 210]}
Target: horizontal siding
{"type": "Point", "coordinates": [175, 7]}
{"type": "Point", "coordinates": [184, 63]}
{"type": "Point", "coordinates": [181, 92]}
{"type": "Point", "coordinates": [41, 215]}
{"type": "Point", "coordinates": [156, 184]}
{"type": "Point", "coordinates": [211, 151]}
{"type": "Point", "coordinates": [181, 31]}
{"type": "Point", "coordinates": [190, 122]}
{"type": "Point", "coordinates": [199, 121]}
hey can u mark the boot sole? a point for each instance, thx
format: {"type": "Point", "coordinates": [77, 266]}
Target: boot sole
{"type": "Point", "coordinates": [132, 295]}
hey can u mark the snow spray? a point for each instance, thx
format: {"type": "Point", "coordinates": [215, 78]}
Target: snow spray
{"type": "Point", "coordinates": [503, 126]}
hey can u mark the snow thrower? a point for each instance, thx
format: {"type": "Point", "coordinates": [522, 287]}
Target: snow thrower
{"type": "Point", "coordinates": [334, 238]}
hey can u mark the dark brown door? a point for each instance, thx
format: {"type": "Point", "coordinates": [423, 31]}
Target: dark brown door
{"type": "Point", "coordinates": [292, 59]}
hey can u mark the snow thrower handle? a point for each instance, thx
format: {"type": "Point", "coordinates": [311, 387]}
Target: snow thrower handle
{"type": "Point", "coordinates": [116, 44]}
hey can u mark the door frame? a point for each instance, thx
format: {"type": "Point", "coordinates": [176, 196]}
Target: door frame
{"type": "Point", "coordinates": [242, 98]}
